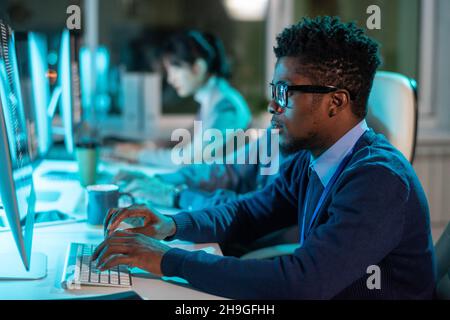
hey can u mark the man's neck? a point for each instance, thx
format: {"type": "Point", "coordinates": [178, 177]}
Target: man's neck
{"type": "Point", "coordinates": [332, 138]}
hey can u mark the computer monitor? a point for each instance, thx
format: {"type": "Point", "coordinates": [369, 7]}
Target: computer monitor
{"type": "Point", "coordinates": [38, 52]}
{"type": "Point", "coordinates": [16, 171]}
{"type": "Point", "coordinates": [65, 94]}
{"type": "Point", "coordinates": [102, 62]}
{"type": "Point", "coordinates": [69, 81]}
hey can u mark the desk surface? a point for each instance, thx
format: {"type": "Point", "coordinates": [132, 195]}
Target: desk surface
{"type": "Point", "coordinates": [53, 241]}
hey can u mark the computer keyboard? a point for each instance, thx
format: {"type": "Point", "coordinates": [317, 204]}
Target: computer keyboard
{"type": "Point", "coordinates": [79, 270]}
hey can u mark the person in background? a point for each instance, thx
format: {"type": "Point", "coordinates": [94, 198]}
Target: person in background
{"type": "Point", "coordinates": [196, 66]}
{"type": "Point", "coordinates": [361, 210]}
{"type": "Point", "coordinates": [200, 186]}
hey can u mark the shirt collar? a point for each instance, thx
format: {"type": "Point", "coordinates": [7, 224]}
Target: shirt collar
{"type": "Point", "coordinates": [326, 164]}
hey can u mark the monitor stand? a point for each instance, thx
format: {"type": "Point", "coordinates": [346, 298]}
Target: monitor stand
{"type": "Point", "coordinates": [12, 268]}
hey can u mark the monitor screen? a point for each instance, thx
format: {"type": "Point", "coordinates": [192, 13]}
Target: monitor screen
{"type": "Point", "coordinates": [40, 88]}
{"type": "Point", "coordinates": [102, 61]}
{"type": "Point", "coordinates": [69, 84]}
{"type": "Point", "coordinates": [16, 172]}
{"type": "Point", "coordinates": [48, 70]}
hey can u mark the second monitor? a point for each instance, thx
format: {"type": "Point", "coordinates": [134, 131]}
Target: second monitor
{"type": "Point", "coordinates": [65, 93]}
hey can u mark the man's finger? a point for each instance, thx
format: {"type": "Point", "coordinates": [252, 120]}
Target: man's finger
{"type": "Point", "coordinates": [97, 250]}
{"type": "Point", "coordinates": [114, 215]}
{"type": "Point", "coordinates": [119, 234]}
{"type": "Point", "coordinates": [119, 237]}
{"type": "Point", "coordinates": [115, 260]}
{"type": "Point", "coordinates": [108, 216]}
{"type": "Point", "coordinates": [148, 231]}
{"type": "Point", "coordinates": [119, 218]}
{"type": "Point", "coordinates": [113, 249]}
{"type": "Point", "coordinates": [115, 211]}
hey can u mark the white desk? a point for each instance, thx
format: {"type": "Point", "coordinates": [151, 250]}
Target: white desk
{"type": "Point", "coordinates": [53, 240]}
{"type": "Point", "coordinates": [70, 195]}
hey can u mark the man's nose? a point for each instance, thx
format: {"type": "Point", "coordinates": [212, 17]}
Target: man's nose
{"type": "Point", "coordinates": [274, 108]}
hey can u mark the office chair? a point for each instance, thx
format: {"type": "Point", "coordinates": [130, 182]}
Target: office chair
{"type": "Point", "coordinates": [442, 251]}
{"type": "Point", "coordinates": [393, 98]}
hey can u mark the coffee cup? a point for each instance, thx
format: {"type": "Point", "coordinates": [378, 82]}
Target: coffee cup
{"type": "Point", "coordinates": [100, 199]}
{"type": "Point", "coordinates": [87, 155]}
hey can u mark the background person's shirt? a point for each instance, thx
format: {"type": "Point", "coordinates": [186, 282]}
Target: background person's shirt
{"type": "Point", "coordinates": [221, 107]}
{"type": "Point", "coordinates": [376, 214]}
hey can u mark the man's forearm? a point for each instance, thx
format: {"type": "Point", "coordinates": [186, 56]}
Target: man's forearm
{"type": "Point", "coordinates": [199, 200]}
{"type": "Point", "coordinates": [242, 220]}
{"type": "Point", "coordinates": [200, 226]}
{"type": "Point", "coordinates": [239, 279]}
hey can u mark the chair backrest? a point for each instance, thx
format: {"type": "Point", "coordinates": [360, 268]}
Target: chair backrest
{"type": "Point", "coordinates": [442, 255]}
{"type": "Point", "coordinates": [392, 110]}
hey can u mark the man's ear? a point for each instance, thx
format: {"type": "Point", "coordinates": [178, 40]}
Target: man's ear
{"type": "Point", "coordinates": [339, 100]}
{"type": "Point", "coordinates": [200, 66]}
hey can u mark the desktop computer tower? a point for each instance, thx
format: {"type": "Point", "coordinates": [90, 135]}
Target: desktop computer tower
{"type": "Point", "coordinates": [133, 120]}
{"type": "Point", "coordinates": [152, 103]}
{"type": "Point", "coordinates": [141, 108]}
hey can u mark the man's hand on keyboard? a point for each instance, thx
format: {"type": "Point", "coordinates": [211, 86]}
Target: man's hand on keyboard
{"type": "Point", "coordinates": [132, 249]}
{"type": "Point", "coordinates": [143, 220]}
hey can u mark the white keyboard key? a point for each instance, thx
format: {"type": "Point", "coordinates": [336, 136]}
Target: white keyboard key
{"type": "Point", "coordinates": [104, 277]}
{"type": "Point", "coordinates": [125, 280]}
{"type": "Point", "coordinates": [85, 277]}
{"type": "Point", "coordinates": [95, 276]}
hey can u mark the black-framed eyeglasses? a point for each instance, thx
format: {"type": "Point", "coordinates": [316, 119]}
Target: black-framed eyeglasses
{"type": "Point", "coordinates": [280, 91]}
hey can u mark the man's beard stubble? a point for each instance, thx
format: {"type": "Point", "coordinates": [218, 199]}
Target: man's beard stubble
{"type": "Point", "coordinates": [292, 145]}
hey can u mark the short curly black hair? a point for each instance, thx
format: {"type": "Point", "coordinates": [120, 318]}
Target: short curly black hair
{"type": "Point", "coordinates": [333, 53]}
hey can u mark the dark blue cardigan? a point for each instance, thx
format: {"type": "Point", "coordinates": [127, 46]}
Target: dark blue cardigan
{"type": "Point", "coordinates": [375, 214]}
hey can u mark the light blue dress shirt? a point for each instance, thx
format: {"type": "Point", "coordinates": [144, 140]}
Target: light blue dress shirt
{"type": "Point", "coordinates": [328, 162]}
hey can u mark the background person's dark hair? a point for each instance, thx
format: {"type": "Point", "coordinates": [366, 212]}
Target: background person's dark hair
{"type": "Point", "coordinates": [333, 53]}
{"type": "Point", "coordinates": [188, 46]}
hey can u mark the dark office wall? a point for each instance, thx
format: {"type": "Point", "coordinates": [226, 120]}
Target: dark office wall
{"type": "Point", "coordinates": [399, 35]}
{"type": "Point", "coordinates": [38, 15]}
{"type": "Point", "coordinates": [132, 29]}
{"type": "Point", "coordinates": [145, 24]}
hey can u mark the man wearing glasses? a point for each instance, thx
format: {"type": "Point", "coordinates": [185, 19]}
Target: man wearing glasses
{"type": "Point", "coordinates": [357, 201]}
